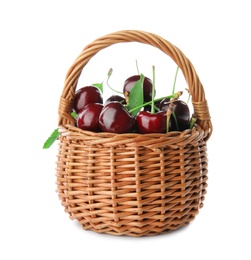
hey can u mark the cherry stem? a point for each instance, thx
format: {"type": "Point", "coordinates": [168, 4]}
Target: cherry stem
{"type": "Point", "coordinates": [189, 95]}
{"type": "Point", "coordinates": [192, 122]}
{"type": "Point", "coordinates": [175, 78]}
{"type": "Point", "coordinates": [168, 116]}
{"type": "Point", "coordinates": [175, 95]}
{"type": "Point", "coordinates": [137, 67]}
{"type": "Point", "coordinates": [107, 81]}
{"type": "Point", "coordinates": [156, 108]}
{"type": "Point", "coordinates": [153, 91]}
{"type": "Point", "coordinates": [175, 119]}
{"type": "Point", "coordinates": [74, 114]}
{"type": "Point", "coordinates": [188, 99]}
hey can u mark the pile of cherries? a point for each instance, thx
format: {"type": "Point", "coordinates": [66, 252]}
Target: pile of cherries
{"type": "Point", "coordinates": [114, 115]}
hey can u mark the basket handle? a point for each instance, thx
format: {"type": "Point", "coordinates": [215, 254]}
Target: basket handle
{"type": "Point", "coordinates": [196, 89]}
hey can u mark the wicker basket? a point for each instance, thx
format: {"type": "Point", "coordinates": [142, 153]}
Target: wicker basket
{"type": "Point", "coordinates": [132, 184]}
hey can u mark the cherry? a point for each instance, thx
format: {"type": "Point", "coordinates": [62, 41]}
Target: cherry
{"type": "Point", "coordinates": [164, 104]}
{"type": "Point", "coordinates": [147, 87]}
{"type": "Point", "coordinates": [156, 104]}
{"type": "Point", "coordinates": [181, 112]}
{"type": "Point", "coordinates": [116, 119]}
{"type": "Point", "coordinates": [115, 98]}
{"type": "Point", "coordinates": [86, 95]}
{"type": "Point", "coordinates": [148, 121]}
{"type": "Point", "coordinates": [88, 116]}
{"type": "Point", "coordinates": [151, 123]}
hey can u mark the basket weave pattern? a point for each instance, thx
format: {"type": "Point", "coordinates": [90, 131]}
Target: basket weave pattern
{"type": "Point", "coordinates": [132, 184]}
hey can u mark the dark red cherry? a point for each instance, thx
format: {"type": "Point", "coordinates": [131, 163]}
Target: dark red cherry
{"type": "Point", "coordinates": [164, 104]}
{"type": "Point", "coordinates": [88, 117]}
{"type": "Point", "coordinates": [86, 95]}
{"type": "Point", "coordinates": [115, 98]}
{"type": "Point", "coordinates": [116, 119]}
{"type": "Point", "coordinates": [147, 86]}
{"type": "Point", "coordinates": [149, 107]}
{"type": "Point", "coordinates": [151, 123]}
{"type": "Point", "coordinates": [182, 114]}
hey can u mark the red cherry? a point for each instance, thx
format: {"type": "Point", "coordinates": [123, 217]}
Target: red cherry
{"type": "Point", "coordinates": [182, 113]}
{"type": "Point", "coordinates": [115, 98]}
{"type": "Point", "coordinates": [164, 104]}
{"type": "Point", "coordinates": [116, 119]}
{"type": "Point", "coordinates": [88, 117]}
{"type": "Point", "coordinates": [86, 95]}
{"type": "Point", "coordinates": [151, 123]}
{"type": "Point", "coordinates": [147, 86]}
{"type": "Point", "coordinates": [149, 107]}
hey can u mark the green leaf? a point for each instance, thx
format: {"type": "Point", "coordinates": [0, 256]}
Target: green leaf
{"type": "Point", "coordinates": [99, 86]}
{"type": "Point", "coordinates": [54, 136]}
{"type": "Point", "coordinates": [136, 98]}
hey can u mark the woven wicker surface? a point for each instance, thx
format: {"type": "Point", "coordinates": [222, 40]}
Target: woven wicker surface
{"type": "Point", "coordinates": [132, 184]}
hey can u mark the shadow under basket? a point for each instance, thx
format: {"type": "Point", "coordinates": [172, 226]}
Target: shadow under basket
{"type": "Point", "coordinates": [132, 184]}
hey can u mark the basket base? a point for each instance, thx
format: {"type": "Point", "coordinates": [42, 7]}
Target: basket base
{"type": "Point", "coordinates": [146, 227]}
{"type": "Point", "coordinates": [136, 232]}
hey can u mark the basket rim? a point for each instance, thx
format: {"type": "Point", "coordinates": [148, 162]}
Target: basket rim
{"type": "Point", "coordinates": [153, 141]}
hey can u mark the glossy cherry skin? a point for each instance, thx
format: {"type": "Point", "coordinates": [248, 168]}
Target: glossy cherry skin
{"type": "Point", "coordinates": [182, 113]}
{"type": "Point", "coordinates": [115, 118]}
{"type": "Point", "coordinates": [164, 104]}
{"type": "Point", "coordinates": [151, 123]}
{"type": "Point", "coordinates": [86, 95]}
{"type": "Point", "coordinates": [115, 98]}
{"type": "Point", "coordinates": [88, 117]}
{"type": "Point", "coordinates": [147, 86]}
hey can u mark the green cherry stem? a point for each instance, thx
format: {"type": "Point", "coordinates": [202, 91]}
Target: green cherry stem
{"type": "Point", "coordinates": [74, 114]}
{"type": "Point", "coordinates": [175, 119]}
{"type": "Point", "coordinates": [107, 81]}
{"type": "Point", "coordinates": [137, 67]}
{"type": "Point", "coordinates": [153, 91]}
{"type": "Point", "coordinates": [175, 95]}
{"type": "Point", "coordinates": [192, 122]}
{"type": "Point", "coordinates": [175, 78]}
{"type": "Point", "coordinates": [189, 95]}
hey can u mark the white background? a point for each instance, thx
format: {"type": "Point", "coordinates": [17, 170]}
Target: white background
{"type": "Point", "coordinates": [39, 40]}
